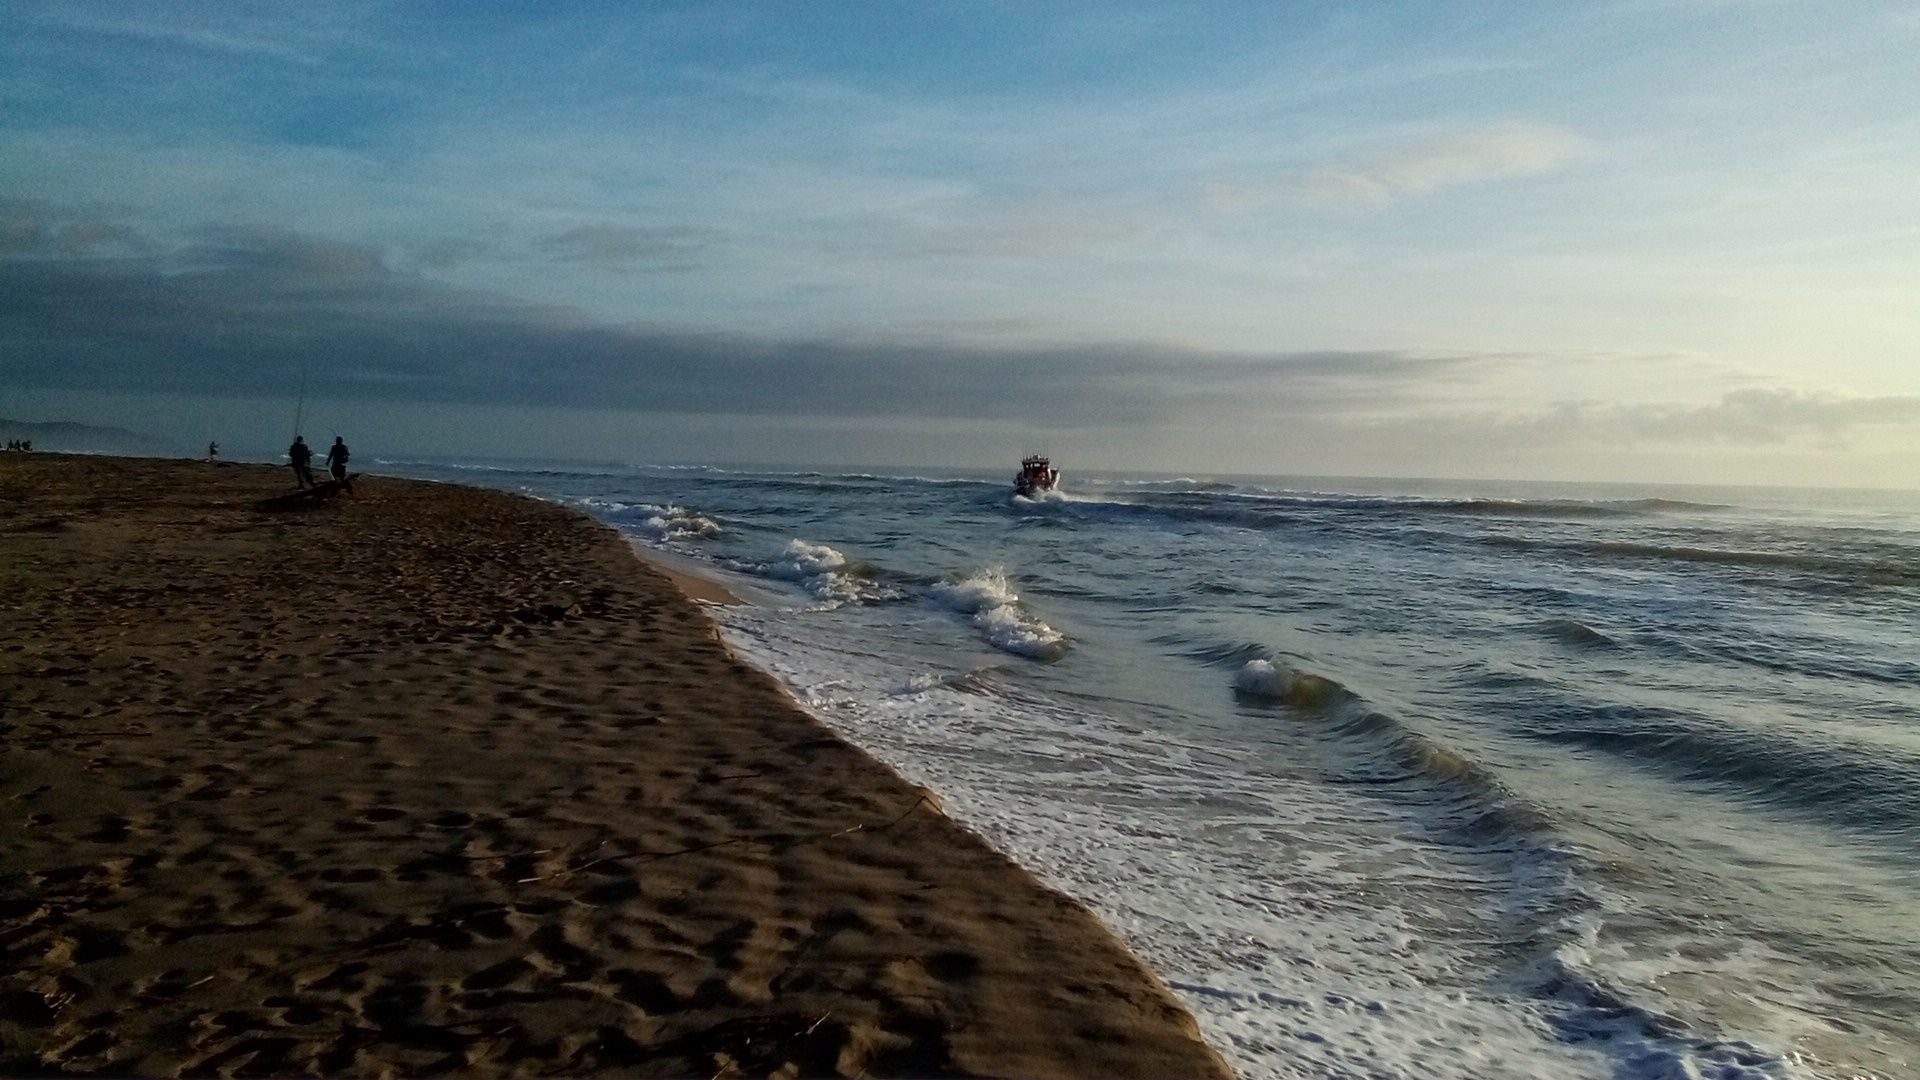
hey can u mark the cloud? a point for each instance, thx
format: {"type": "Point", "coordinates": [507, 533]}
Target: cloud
{"type": "Point", "coordinates": [1032, 228]}
{"type": "Point", "coordinates": [616, 246]}
{"type": "Point", "coordinates": [449, 252]}
{"type": "Point", "coordinates": [254, 310]}
{"type": "Point", "coordinates": [1770, 415]}
{"type": "Point", "coordinates": [31, 227]}
{"type": "Point", "coordinates": [1746, 419]}
{"type": "Point", "coordinates": [280, 254]}
{"type": "Point", "coordinates": [1410, 170]}
{"type": "Point", "coordinates": [299, 34]}
{"type": "Point", "coordinates": [250, 311]}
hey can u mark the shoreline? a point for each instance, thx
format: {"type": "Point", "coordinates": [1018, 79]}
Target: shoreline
{"type": "Point", "coordinates": [443, 779]}
{"type": "Point", "coordinates": [690, 581]}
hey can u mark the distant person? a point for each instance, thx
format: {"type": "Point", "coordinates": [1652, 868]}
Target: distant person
{"type": "Point", "coordinates": [337, 459]}
{"type": "Point", "coordinates": [301, 456]}
{"type": "Point", "coordinates": [213, 450]}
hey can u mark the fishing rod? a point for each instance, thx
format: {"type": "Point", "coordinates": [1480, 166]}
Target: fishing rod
{"type": "Point", "coordinates": [300, 408]}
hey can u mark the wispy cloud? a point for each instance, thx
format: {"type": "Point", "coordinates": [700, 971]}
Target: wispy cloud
{"type": "Point", "coordinates": [297, 34]}
{"type": "Point", "coordinates": [32, 227]}
{"type": "Point", "coordinates": [1035, 228]}
{"type": "Point", "coordinates": [1751, 418]}
{"type": "Point", "coordinates": [612, 246]}
{"type": "Point", "coordinates": [1768, 415]}
{"type": "Point", "coordinates": [1418, 168]}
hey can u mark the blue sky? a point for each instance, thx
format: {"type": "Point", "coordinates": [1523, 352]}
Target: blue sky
{"type": "Point", "coordinates": [1637, 240]}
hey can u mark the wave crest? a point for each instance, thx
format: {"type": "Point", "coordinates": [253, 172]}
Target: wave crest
{"type": "Point", "coordinates": [664, 523]}
{"type": "Point", "coordinates": [1274, 681]}
{"type": "Point", "coordinates": [829, 575]}
{"type": "Point", "coordinates": [988, 597]}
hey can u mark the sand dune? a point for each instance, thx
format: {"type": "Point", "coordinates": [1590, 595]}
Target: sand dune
{"type": "Point", "coordinates": [436, 780]}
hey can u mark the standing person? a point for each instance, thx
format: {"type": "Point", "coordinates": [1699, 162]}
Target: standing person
{"type": "Point", "coordinates": [301, 455]}
{"type": "Point", "coordinates": [213, 450]}
{"type": "Point", "coordinates": [337, 459]}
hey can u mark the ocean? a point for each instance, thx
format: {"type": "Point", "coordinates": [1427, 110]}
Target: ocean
{"type": "Point", "coordinates": [1386, 778]}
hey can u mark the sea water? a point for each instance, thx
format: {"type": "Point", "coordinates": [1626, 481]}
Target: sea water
{"type": "Point", "coordinates": [1385, 778]}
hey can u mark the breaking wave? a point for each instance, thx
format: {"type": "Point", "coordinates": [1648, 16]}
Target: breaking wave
{"type": "Point", "coordinates": [829, 575]}
{"type": "Point", "coordinates": [988, 598]}
{"type": "Point", "coordinates": [662, 524]}
{"type": "Point", "coordinates": [1387, 752]}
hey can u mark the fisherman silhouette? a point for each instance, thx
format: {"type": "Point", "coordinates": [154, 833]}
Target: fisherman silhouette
{"type": "Point", "coordinates": [337, 459]}
{"type": "Point", "coordinates": [301, 456]}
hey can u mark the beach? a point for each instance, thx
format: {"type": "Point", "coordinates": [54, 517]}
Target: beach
{"type": "Point", "coordinates": [430, 779]}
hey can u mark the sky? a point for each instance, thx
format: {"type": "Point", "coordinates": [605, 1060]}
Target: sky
{"type": "Point", "coordinates": [1625, 240]}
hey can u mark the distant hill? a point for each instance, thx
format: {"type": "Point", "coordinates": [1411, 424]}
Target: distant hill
{"type": "Point", "coordinates": [66, 437]}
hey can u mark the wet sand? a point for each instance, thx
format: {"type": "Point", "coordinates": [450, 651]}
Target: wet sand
{"type": "Point", "coordinates": [434, 780]}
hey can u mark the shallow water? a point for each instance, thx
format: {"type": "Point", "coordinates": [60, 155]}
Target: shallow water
{"type": "Point", "coordinates": [1386, 778]}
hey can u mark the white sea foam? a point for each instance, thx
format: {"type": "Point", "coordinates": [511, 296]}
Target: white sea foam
{"type": "Point", "coordinates": [987, 588]}
{"type": "Point", "coordinates": [1264, 678]}
{"type": "Point", "coordinates": [989, 599]}
{"type": "Point", "coordinates": [1045, 495]}
{"type": "Point", "coordinates": [828, 575]}
{"type": "Point", "coordinates": [669, 523]}
{"type": "Point", "coordinates": [813, 560]}
{"type": "Point", "coordinates": [1301, 931]}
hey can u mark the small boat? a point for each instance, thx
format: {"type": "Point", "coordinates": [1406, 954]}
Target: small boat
{"type": "Point", "coordinates": [1036, 475]}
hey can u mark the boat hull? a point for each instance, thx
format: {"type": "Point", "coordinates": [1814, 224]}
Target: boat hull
{"type": "Point", "coordinates": [1031, 487]}
{"type": "Point", "coordinates": [1036, 475]}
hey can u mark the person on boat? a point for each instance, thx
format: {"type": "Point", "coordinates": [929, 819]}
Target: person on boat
{"type": "Point", "coordinates": [337, 459]}
{"type": "Point", "coordinates": [300, 455]}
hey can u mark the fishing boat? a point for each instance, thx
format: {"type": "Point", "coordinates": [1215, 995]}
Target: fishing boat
{"type": "Point", "coordinates": [1036, 475]}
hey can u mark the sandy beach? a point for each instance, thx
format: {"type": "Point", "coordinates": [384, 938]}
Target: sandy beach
{"type": "Point", "coordinates": [434, 780]}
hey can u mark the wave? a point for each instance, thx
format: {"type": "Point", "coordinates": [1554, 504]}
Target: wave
{"type": "Point", "coordinates": [1048, 496]}
{"type": "Point", "coordinates": [1650, 1044]}
{"type": "Point", "coordinates": [1393, 754]}
{"type": "Point", "coordinates": [829, 575]}
{"type": "Point", "coordinates": [660, 524]}
{"type": "Point", "coordinates": [989, 599]}
{"type": "Point", "coordinates": [1838, 661]}
{"type": "Point", "coordinates": [539, 469]}
{"type": "Point", "coordinates": [1253, 509]}
{"type": "Point", "coordinates": [1576, 633]}
{"type": "Point", "coordinates": [1855, 787]}
{"type": "Point", "coordinates": [1888, 571]}
{"type": "Point", "coordinates": [1270, 681]}
{"type": "Point", "coordinates": [1563, 508]}
{"type": "Point", "coordinates": [1220, 655]}
{"type": "Point", "coordinates": [1153, 508]}
{"type": "Point", "coordinates": [1173, 484]}
{"type": "Point", "coordinates": [986, 596]}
